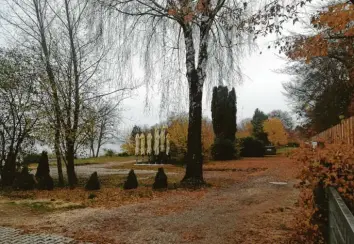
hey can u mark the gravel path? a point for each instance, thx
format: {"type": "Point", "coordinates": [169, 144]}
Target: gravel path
{"type": "Point", "coordinates": [250, 210]}
{"type": "Point", "coordinates": [221, 216]}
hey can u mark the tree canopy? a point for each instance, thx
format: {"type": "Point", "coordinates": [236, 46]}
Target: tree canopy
{"type": "Point", "coordinates": [330, 43]}
{"type": "Point", "coordinates": [276, 132]}
{"type": "Point", "coordinates": [321, 92]}
{"type": "Point", "coordinates": [284, 116]}
{"type": "Point", "coordinates": [257, 123]}
{"type": "Point", "coordinates": [223, 112]}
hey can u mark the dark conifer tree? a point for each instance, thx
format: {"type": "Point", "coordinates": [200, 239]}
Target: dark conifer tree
{"type": "Point", "coordinates": [232, 110]}
{"type": "Point", "coordinates": [223, 109]}
{"type": "Point", "coordinates": [257, 122]}
{"type": "Point", "coordinates": [43, 165]}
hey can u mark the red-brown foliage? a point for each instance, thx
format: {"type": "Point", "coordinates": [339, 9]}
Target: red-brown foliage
{"type": "Point", "coordinates": [330, 165]}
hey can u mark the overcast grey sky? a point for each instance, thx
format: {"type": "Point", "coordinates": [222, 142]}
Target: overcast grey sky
{"type": "Point", "coordinates": [261, 88]}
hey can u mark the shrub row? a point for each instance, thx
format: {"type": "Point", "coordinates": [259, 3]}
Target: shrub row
{"type": "Point", "coordinates": [224, 149]}
{"type": "Point", "coordinates": [26, 181]}
{"type": "Point", "coordinates": [111, 153]}
{"type": "Point", "coordinates": [131, 183]}
{"type": "Point", "coordinates": [42, 180]}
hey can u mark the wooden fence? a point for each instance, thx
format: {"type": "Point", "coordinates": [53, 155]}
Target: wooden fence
{"type": "Point", "coordinates": [341, 220]}
{"type": "Point", "coordinates": [343, 132]}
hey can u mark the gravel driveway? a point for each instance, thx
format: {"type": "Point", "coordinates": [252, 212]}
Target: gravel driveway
{"type": "Point", "coordinates": [250, 210]}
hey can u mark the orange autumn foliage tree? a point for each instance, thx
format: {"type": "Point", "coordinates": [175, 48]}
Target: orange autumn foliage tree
{"type": "Point", "coordinates": [246, 131]}
{"type": "Point", "coordinates": [128, 146]}
{"type": "Point", "coordinates": [334, 38]}
{"type": "Point", "coordinates": [334, 34]}
{"type": "Point", "coordinates": [207, 138]}
{"type": "Point", "coordinates": [186, 11]}
{"type": "Point", "coordinates": [277, 134]}
{"type": "Point", "coordinates": [178, 129]}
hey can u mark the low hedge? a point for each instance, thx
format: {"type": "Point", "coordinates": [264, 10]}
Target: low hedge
{"type": "Point", "coordinates": [251, 147]}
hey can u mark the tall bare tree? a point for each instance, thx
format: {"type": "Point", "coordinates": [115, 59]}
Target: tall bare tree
{"type": "Point", "coordinates": [73, 55]}
{"type": "Point", "coordinates": [100, 126]}
{"type": "Point", "coordinates": [198, 31]}
{"type": "Point", "coordinates": [19, 109]}
{"type": "Point", "coordinates": [32, 21]}
{"type": "Point", "coordinates": [203, 40]}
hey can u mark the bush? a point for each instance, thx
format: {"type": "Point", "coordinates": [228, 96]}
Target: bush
{"type": "Point", "coordinates": [223, 149]}
{"type": "Point", "coordinates": [93, 182]}
{"type": "Point", "coordinates": [251, 147]}
{"type": "Point", "coordinates": [160, 180]}
{"type": "Point", "coordinates": [24, 180]}
{"type": "Point", "coordinates": [177, 155]}
{"type": "Point", "coordinates": [109, 152]}
{"type": "Point", "coordinates": [92, 196]}
{"type": "Point", "coordinates": [43, 166]}
{"type": "Point", "coordinates": [45, 183]}
{"type": "Point", "coordinates": [31, 158]}
{"type": "Point", "coordinates": [131, 182]}
{"type": "Point", "coordinates": [293, 144]}
{"type": "Point", "coordinates": [123, 154]}
{"type": "Point", "coordinates": [322, 167]}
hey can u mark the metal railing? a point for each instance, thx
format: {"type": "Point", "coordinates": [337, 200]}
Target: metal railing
{"type": "Point", "coordinates": [341, 220]}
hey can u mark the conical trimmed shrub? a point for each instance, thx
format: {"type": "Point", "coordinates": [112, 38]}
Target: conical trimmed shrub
{"type": "Point", "coordinates": [46, 183]}
{"type": "Point", "coordinates": [24, 180]}
{"type": "Point", "coordinates": [131, 182]}
{"type": "Point", "coordinates": [93, 183]}
{"type": "Point", "coordinates": [43, 165]}
{"type": "Point", "coordinates": [160, 180]}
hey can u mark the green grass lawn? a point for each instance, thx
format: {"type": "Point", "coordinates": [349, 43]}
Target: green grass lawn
{"type": "Point", "coordinates": [102, 160]}
{"type": "Point", "coordinates": [285, 150]}
{"type": "Point", "coordinates": [85, 161]}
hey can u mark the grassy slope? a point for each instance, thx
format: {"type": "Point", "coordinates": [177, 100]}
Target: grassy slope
{"type": "Point", "coordinates": [285, 150]}
{"type": "Point", "coordinates": [104, 159]}
{"type": "Point", "coordinates": [85, 161]}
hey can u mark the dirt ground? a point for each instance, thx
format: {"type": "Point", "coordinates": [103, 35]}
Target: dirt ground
{"type": "Point", "coordinates": [242, 207]}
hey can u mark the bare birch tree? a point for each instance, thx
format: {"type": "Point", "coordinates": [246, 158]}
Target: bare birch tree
{"type": "Point", "coordinates": [203, 40]}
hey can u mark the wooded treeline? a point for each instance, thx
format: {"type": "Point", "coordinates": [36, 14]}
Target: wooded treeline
{"type": "Point", "coordinates": [52, 85]}
{"type": "Point", "coordinates": [322, 88]}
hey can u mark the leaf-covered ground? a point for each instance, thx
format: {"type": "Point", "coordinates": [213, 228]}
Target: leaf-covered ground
{"type": "Point", "coordinates": [241, 206]}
